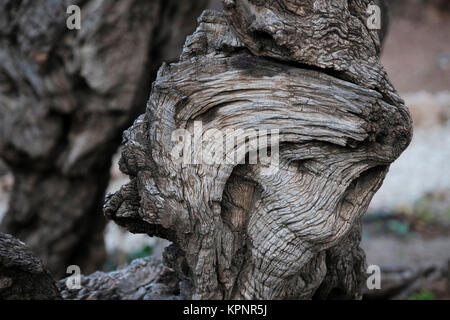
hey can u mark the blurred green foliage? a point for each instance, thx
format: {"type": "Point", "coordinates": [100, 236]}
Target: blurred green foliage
{"type": "Point", "coordinates": [118, 257]}
{"type": "Point", "coordinates": [398, 227]}
{"type": "Point", "coordinates": [141, 253]}
{"type": "Point", "coordinates": [423, 295]}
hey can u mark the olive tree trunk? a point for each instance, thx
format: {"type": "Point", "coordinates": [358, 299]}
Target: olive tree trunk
{"type": "Point", "coordinates": [22, 274]}
{"type": "Point", "coordinates": [304, 78]}
{"type": "Point", "coordinates": [65, 98]}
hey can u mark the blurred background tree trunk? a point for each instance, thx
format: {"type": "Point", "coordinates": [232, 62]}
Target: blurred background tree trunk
{"type": "Point", "coordinates": [65, 98]}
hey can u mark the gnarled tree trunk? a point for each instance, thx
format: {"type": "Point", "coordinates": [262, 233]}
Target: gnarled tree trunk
{"type": "Point", "coordinates": [304, 75]}
{"type": "Point", "coordinates": [65, 98]}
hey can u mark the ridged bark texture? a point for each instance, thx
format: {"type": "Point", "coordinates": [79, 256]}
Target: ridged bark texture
{"type": "Point", "coordinates": [307, 69]}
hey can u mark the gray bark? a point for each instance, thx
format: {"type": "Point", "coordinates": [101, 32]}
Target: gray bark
{"type": "Point", "coordinates": [309, 69]}
{"type": "Point", "coordinates": [22, 274]}
{"type": "Point", "coordinates": [65, 98]}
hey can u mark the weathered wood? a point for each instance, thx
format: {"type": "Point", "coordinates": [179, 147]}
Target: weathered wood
{"type": "Point", "coordinates": [24, 277]}
{"type": "Point", "coordinates": [309, 69]}
{"type": "Point", "coordinates": [143, 279]}
{"type": "Point", "coordinates": [65, 98]}
{"type": "Point", "coordinates": [22, 274]}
